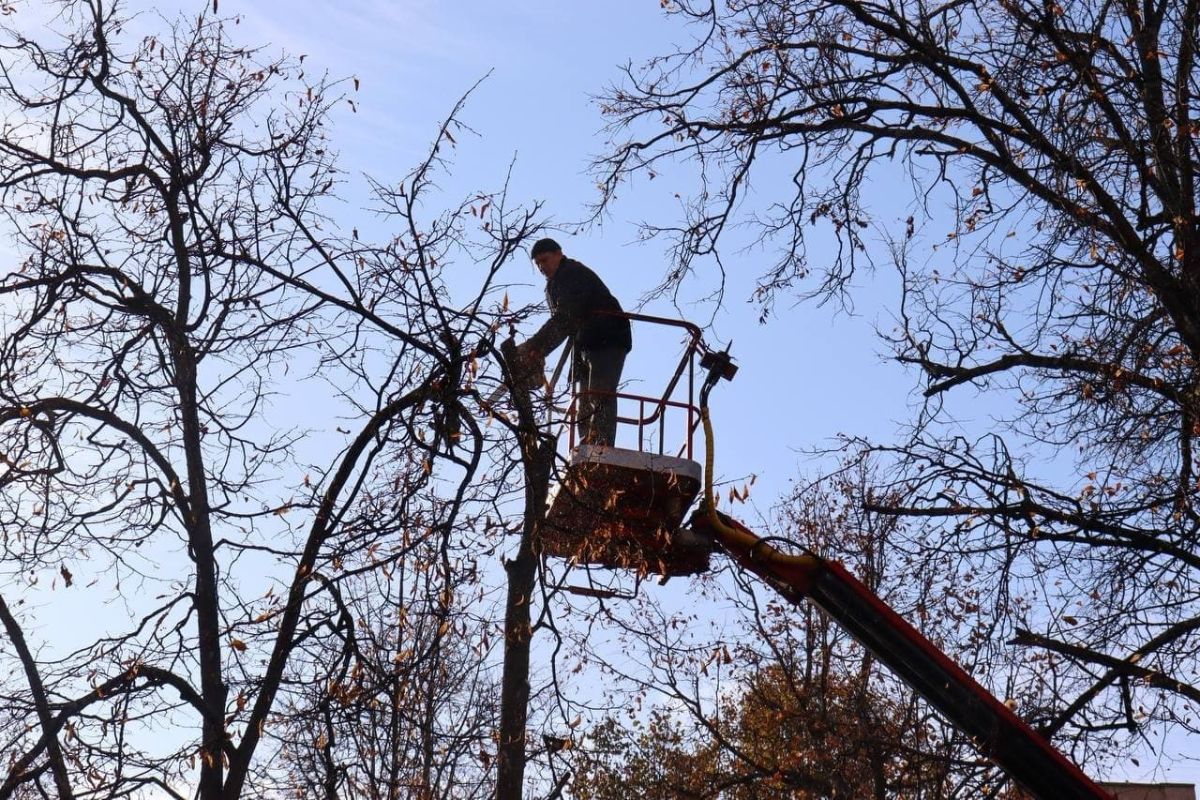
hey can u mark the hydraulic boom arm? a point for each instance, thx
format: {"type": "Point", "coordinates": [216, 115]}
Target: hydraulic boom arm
{"type": "Point", "coordinates": [995, 730]}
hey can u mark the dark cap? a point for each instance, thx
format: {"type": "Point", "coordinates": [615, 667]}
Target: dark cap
{"type": "Point", "coordinates": [544, 246]}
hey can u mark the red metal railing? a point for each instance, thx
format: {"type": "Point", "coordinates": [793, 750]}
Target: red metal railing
{"type": "Point", "coordinates": [652, 408]}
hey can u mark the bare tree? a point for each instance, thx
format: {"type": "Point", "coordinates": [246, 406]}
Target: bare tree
{"type": "Point", "coordinates": [1049, 264]}
{"type": "Point", "coordinates": [410, 709]}
{"type": "Point", "coordinates": [229, 417]}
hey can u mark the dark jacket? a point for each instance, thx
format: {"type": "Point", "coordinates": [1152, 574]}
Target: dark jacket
{"type": "Point", "coordinates": [577, 297]}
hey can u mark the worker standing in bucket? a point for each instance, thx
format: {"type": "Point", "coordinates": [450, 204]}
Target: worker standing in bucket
{"type": "Point", "coordinates": [584, 310]}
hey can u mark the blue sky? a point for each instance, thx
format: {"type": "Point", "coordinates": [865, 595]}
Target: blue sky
{"type": "Point", "coordinates": [806, 376]}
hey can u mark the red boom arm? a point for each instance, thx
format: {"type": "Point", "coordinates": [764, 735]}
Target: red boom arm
{"type": "Point", "coordinates": [996, 731]}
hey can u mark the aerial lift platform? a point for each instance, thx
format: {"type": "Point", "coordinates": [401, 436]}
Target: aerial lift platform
{"type": "Point", "coordinates": [624, 507]}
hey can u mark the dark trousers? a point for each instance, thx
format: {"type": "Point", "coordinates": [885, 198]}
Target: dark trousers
{"type": "Point", "coordinates": [597, 375]}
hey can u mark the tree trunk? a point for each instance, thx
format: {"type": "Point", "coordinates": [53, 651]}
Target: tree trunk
{"type": "Point", "coordinates": [537, 453]}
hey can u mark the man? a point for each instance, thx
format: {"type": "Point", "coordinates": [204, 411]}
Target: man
{"type": "Point", "coordinates": [582, 308]}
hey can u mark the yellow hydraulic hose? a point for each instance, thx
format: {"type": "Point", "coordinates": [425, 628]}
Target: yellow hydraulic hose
{"type": "Point", "coordinates": [709, 500]}
{"type": "Point", "coordinates": [728, 534]}
{"type": "Point", "coordinates": [796, 572]}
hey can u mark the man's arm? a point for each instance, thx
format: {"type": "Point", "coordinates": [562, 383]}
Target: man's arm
{"type": "Point", "coordinates": [548, 337]}
{"type": "Point", "coordinates": [574, 302]}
